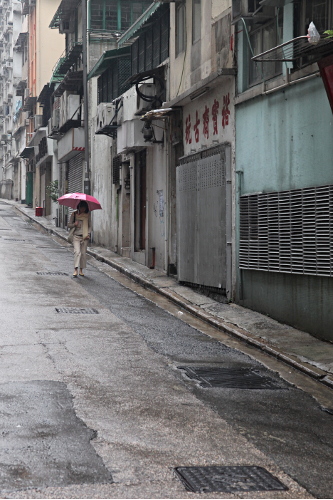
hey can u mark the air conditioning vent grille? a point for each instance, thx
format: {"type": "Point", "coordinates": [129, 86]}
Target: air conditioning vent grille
{"type": "Point", "coordinates": [288, 231]}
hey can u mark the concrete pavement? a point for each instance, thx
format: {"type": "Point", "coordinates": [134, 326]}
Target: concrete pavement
{"type": "Point", "coordinates": [294, 347]}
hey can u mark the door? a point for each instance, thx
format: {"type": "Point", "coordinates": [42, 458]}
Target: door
{"type": "Point", "coordinates": [29, 188]}
{"type": "Point", "coordinates": [140, 201]}
{"type": "Point", "coordinates": [202, 218]}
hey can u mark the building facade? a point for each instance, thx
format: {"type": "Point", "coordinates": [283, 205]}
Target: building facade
{"type": "Point", "coordinates": [284, 154]}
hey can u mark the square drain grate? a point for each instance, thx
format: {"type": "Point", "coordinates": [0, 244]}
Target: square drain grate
{"type": "Point", "coordinates": [230, 378]}
{"type": "Point", "coordinates": [76, 310]}
{"type": "Point", "coordinates": [228, 479]}
{"type": "Point", "coordinates": [51, 273]}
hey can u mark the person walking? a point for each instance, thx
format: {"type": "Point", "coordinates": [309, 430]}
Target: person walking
{"type": "Point", "coordinates": [81, 221]}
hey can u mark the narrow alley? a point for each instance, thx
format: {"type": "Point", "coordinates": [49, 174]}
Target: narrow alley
{"type": "Point", "coordinates": [107, 392]}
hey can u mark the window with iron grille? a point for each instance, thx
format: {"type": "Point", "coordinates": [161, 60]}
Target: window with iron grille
{"type": "Point", "coordinates": [116, 166]}
{"type": "Point", "coordinates": [152, 46]}
{"type": "Point", "coordinates": [288, 231]}
{"type": "Point", "coordinates": [112, 83]}
{"type": "Point", "coordinates": [115, 15]}
{"type": "Point", "coordinates": [320, 12]}
{"type": "Point", "coordinates": [261, 39]}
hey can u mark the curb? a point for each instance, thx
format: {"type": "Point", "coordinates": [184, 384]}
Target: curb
{"type": "Point", "coordinates": [234, 331]}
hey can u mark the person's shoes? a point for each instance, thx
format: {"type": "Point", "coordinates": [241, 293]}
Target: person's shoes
{"type": "Point", "coordinates": [81, 274]}
{"type": "Point", "coordinates": [75, 274]}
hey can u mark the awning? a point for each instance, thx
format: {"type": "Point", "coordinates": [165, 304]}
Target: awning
{"type": "Point", "coordinates": [72, 81]}
{"type": "Point", "coordinates": [45, 94]}
{"type": "Point", "coordinates": [139, 23]}
{"type": "Point", "coordinates": [27, 152]}
{"type": "Point", "coordinates": [104, 61]}
{"type": "Point", "coordinates": [70, 58]}
{"type": "Point", "coordinates": [29, 103]}
{"type": "Point", "coordinates": [56, 75]}
{"type": "Point", "coordinates": [21, 40]}
{"type": "Point", "coordinates": [64, 11]}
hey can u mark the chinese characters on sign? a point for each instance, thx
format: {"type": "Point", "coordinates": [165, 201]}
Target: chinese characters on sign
{"type": "Point", "coordinates": [204, 118]}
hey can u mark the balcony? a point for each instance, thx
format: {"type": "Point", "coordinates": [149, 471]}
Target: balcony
{"type": "Point", "coordinates": [72, 82]}
{"type": "Point", "coordinates": [296, 49]}
{"type": "Point", "coordinates": [70, 59]}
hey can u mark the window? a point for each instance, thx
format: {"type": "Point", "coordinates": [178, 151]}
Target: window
{"type": "Point", "coordinates": [151, 48]}
{"type": "Point", "coordinates": [180, 29]}
{"type": "Point", "coordinates": [112, 83]}
{"type": "Point", "coordinates": [320, 13]}
{"type": "Point", "coordinates": [196, 20]}
{"type": "Point", "coordinates": [262, 39]}
{"type": "Point", "coordinates": [113, 15]}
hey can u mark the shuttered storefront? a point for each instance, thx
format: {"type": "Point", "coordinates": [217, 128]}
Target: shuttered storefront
{"type": "Point", "coordinates": [75, 174]}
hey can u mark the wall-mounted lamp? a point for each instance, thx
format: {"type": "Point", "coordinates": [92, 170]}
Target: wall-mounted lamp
{"type": "Point", "coordinates": [148, 132]}
{"type": "Point", "coordinates": [199, 93]}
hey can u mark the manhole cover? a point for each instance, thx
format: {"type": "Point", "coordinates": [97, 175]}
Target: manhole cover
{"type": "Point", "coordinates": [228, 479]}
{"type": "Point", "coordinates": [76, 310]}
{"type": "Point", "coordinates": [51, 273]}
{"type": "Point", "coordinates": [233, 378]}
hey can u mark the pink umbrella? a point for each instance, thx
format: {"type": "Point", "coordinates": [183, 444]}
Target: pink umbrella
{"type": "Point", "coordinates": [72, 199]}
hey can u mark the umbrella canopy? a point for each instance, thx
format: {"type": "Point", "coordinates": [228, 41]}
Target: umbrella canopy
{"type": "Point", "coordinates": [72, 199]}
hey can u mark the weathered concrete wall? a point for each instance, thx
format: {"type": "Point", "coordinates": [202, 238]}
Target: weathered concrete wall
{"type": "Point", "coordinates": [6, 189]}
{"type": "Point", "coordinates": [284, 142]}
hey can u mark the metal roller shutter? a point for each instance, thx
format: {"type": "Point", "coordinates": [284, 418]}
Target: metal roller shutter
{"type": "Point", "coordinates": [75, 174]}
{"type": "Point", "coordinates": [201, 218]}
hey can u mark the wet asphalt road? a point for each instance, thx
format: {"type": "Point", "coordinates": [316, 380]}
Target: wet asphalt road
{"type": "Point", "coordinates": [105, 403]}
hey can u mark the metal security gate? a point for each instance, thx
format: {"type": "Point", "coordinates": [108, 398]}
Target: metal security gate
{"type": "Point", "coordinates": [203, 217]}
{"type": "Point", "coordinates": [75, 174]}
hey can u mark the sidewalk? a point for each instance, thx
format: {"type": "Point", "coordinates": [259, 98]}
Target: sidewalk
{"type": "Point", "coordinates": [297, 348]}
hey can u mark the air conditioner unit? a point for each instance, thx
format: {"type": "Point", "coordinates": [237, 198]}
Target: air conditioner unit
{"type": "Point", "coordinates": [149, 90]}
{"type": "Point", "coordinates": [69, 107]}
{"type": "Point", "coordinates": [73, 107]}
{"type": "Point", "coordinates": [105, 113]}
{"type": "Point", "coordinates": [49, 127]}
{"type": "Point", "coordinates": [4, 137]}
{"type": "Point", "coordinates": [56, 119]}
{"type": "Point", "coordinates": [38, 121]}
{"type": "Point", "coordinates": [9, 64]}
